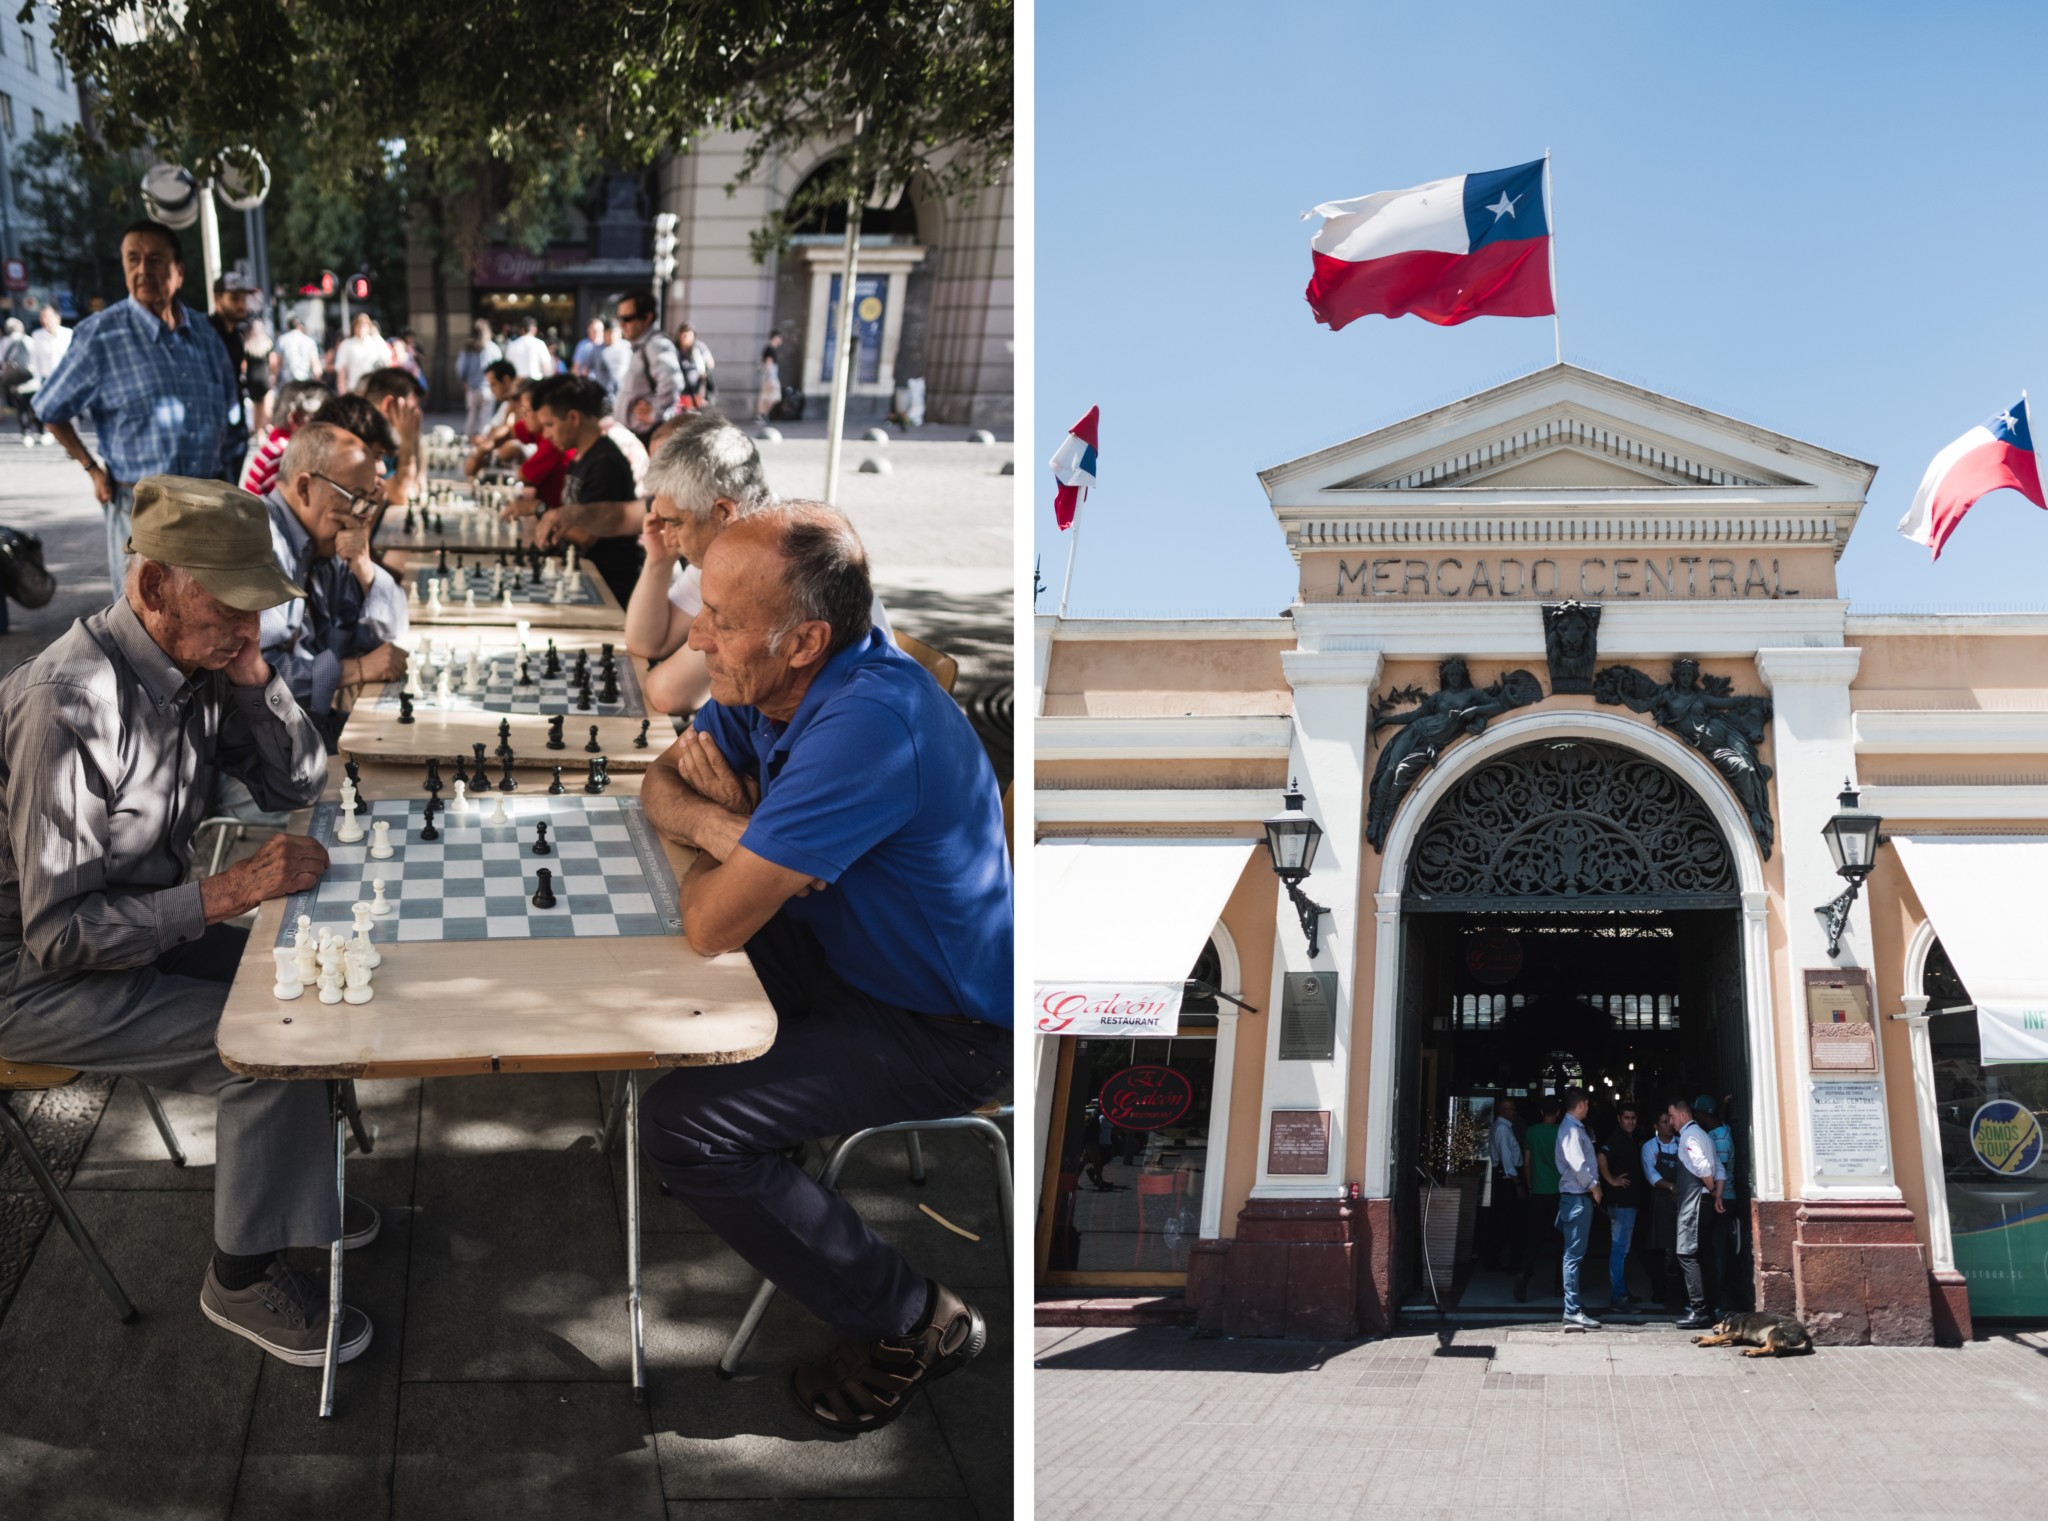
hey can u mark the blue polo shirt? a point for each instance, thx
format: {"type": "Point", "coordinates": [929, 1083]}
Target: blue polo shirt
{"type": "Point", "coordinates": [879, 786]}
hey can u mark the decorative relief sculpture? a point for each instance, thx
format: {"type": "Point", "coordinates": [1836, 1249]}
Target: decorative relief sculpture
{"type": "Point", "coordinates": [1571, 633]}
{"type": "Point", "coordinates": [1454, 709]}
{"type": "Point", "coordinates": [1707, 715]}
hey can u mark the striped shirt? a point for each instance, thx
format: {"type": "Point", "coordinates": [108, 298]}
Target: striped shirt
{"type": "Point", "coordinates": [261, 473]}
{"type": "Point", "coordinates": [162, 398]}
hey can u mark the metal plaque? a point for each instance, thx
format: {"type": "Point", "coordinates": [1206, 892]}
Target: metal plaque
{"type": "Point", "coordinates": [1300, 1143]}
{"type": "Point", "coordinates": [1308, 1017]}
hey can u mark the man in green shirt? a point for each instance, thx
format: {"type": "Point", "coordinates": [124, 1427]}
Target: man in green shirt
{"type": "Point", "coordinates": [1544, 1243]}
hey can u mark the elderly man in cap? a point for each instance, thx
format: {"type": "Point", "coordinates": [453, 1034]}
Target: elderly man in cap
{"type": "Point", "coordinates": [110, 960]}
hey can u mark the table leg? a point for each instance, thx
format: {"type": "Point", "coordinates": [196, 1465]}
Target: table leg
{"type": "Point", "coordinates": [632, 1086]}
{"type": "Point", "coordinates": [339, 1117]}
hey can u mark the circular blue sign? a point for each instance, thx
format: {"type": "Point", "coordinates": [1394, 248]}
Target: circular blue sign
{"type": "Point", "coordinates": [2006, 1137]}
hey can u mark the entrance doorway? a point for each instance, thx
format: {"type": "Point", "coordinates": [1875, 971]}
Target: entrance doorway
{"type": "Point", "coordinates": [1570, 917]}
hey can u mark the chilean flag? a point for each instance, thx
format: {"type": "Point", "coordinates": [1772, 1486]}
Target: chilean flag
{"type": "Point", "coordinates": [1073, 466]}
{"type": "Point", "coordinates": [1476, 245]}
{"type": "Point", "coordinates": [1998, 452]}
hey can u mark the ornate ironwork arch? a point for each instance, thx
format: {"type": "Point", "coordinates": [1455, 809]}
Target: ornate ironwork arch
{"type": "Point", "coordinates": [1569, 823]}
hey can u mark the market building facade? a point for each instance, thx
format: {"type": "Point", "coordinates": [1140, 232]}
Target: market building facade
{"type": "Point", "coordinates": [1571, 695]}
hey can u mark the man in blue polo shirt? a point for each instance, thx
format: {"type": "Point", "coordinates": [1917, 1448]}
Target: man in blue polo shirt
{"type": "Point", "coordinates": [154, 377]}
{"type": "Point", "coordinates": [850, 838]}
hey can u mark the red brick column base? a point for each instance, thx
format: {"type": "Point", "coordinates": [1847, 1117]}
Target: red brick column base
{"type": "Point", "coordinates": [1951, 1307]}
{"type": "Point", "coordinates": [1292, 1270]}
{"type": "Point", "coordinates": [1860, 1276]}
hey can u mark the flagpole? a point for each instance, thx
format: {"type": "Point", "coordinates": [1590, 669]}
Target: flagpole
{"type": "Point", "coordinates": [1072, 544]}
{"type": "Point", "coordinates": [1550, 213]}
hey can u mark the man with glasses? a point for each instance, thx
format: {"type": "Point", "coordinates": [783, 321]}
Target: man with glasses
{"type": "Point", "coordinates": [340, 634]}
{"type": "Point", "coordinates": [654, 379]}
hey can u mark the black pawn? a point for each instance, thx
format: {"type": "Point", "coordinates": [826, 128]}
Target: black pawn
{"type": "Point", "coordinates": [640, 739]}
{"type": "Point", "coordinates": [405, 708]}
{"type": "Point", "coordinates": [553, 667]}
{"type": "Point", "coordinates": [545, 897]}
{"type": "Point", "coordinates": [593, 747]}
{"type": "Point", "coordinates": [410, 525]}
{"type": "Point", "coordinates": [461, 771]}
{"type": "Point", "coordinates": [583, 694]}
{"type": "Point", "coordinates": [525, 674]}
{"type": "Point", "coordinates": [478, 747]}
{"type": "Point", "coordinates": [541, 847]}
{"type": "Point", "coordinates": [442, 569]}
{"type": "Point", "coordinates": [555, 740]}
{"type": "Point", "coordinates": [434, 775]}
{"type": "Point", "coordinates": [428, 832]}
{"type": "Point", "coordinates": [505, 782]}
{"type": "Point", "coordinates": [555, 787]}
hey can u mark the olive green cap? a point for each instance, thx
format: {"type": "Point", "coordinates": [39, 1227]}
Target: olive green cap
{"type": "Point", "coordinates": [218, 533]}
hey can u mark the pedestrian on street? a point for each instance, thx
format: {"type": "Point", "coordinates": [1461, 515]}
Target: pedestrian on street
{"type": "Point", "coordinates": [1507, 1234]}
{"type": "Point", "coordinates": [769, 396]}
{"type": "Point", "coordinates": [298, 356]}
{"type": "Point", "coordinates": [153, 377]}
{"type": "Point", "coordinates": [47, 346]}
{"type": "Point", "coordinates": [695, 357]}
{"type": "Point", "coordinates": [528, 355]}
{"type": "Point", "coordinates": [1699, 1198]}
{"type": "Point", "coordinates": [17, 377]}
{"type": "Point", "coordinates": [588, 360]}
{"type": "Point", "coordinates": [1621, 1178]}
{"type": "Point", "coordinates": [1578, 1182]}
{"type": "Point", "coordinates": [230, 319]}
{"type": "Point", "coordinates": [362, 351]}
{"type": "Point", "coordinates": [655, 377]}
{"type": "Point", "coordinates": [472, 368]}
{"type": "Point", "coordinates": [1722, 1246]}
{"type": "Point", "coordinates": [616, 359]}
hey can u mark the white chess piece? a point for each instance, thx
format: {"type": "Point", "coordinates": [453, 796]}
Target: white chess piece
{"type": "Point", "coordinates": [442, 692]}
{"type": "Point", "coordinates": [357, 970]}
{"type": "Point", "coordinates": [363, 913]}
{"type": "Point", "coordinates": [347, 830]}
{"type": "Point", "coordinates": [498, 813]}
{"type": "Point", "coordinates": [469, 602]}
{"type": "Point", "coordinates": [460, 805]}
{"type": "Point", "coordinates": [505, 604]}
{"type": "Point", "coordinates": [380, 906]}
{"type": "Point", "coordinates": [434, 598]}
{"type": "Point", "coordinates": [412, 591]}
{"type": "Point", "coordinates": [569, 560]}
{"type": "Point", "coordinates": [524, 628]}
{"type": "Point", "coordinates": [472, 676]}
{"type": "Point", "coordinates": [304, 948]}
{"type": "Point", "coordinates": [288, 986]}
{"type": "Point", "coordinates": [380, 843]}
{"type": "Point", "coordinates": [426, 652]}
{"type": "Point", "coordinates": [330, 974]}
{"type": "Point", "coordinates": [560, 593]}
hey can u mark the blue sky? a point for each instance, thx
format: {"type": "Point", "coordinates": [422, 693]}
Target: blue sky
{"type": "Point", "coordinates": [1824, 219]}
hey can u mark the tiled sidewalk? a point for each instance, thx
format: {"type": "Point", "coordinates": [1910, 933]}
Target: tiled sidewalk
{"type": "Point", "coordinates": [1153, 1425]}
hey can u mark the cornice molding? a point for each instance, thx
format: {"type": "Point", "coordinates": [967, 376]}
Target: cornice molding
{"type": "Point", "coordinates": [1159, 805]}
{"type": "Point", "coordinates": [1196, 737]}
{"type": "Point", "coordinates": [1781, 666]}
{"type": "Point", "coordinates": [1949, 731]}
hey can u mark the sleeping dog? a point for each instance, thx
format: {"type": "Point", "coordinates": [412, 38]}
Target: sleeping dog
{"type": "Point", "coordinates": [1763, 1334]}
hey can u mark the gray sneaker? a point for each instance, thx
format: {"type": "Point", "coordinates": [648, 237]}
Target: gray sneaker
{"type": "Point", "coordinates": [285, 1316]}
{"type": "Point", "coordinates": [1581, 1322]}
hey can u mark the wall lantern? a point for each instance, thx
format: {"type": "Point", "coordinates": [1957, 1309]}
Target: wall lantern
{"type": "Point", "coordinates": [1291, 840]}
{"type": "Point", "coordinates": [1853, 838]}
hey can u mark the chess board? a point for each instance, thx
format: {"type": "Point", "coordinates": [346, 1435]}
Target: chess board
{"type": "Point", "coordinates": [525, 593]}
{"type": "Point", "coordinates": [477, 881]}
{"type": "Point", "coordinates": [502, 693]}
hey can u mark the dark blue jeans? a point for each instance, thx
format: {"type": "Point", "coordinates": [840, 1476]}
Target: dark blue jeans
{"type": "Point", "coordinates": [1575, 1220]}
{"type": "Point", "coordinates": [842, 1061]}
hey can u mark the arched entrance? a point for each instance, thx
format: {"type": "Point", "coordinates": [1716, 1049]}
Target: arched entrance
{"type": "Point", "coordinates": [1570, 911]}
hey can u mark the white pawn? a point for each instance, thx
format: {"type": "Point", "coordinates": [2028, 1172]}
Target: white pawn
{"type": "Point", "coordinates": [505, 604]}
{"type": "Point", "coordinates": [472, 676]}
{"type": "Point", "coordinates": [358, 973]}
{"type": "Point", "coordinates": [380, 841]}
{"type": "Point", "coordinates": [434, 598]}
{"type": "Point", "coordinates": [561, 591]}
{"type": "Point", "coordinates": [469, 602]}
{"type": "Point", "coordinates": [569, 560]}
{"type": "Point", "coordinates": [442, 692]}
{"type": "Point", "coordinates": [498, 813]}
{"type": "Point", "coordinates": [460, 806]}
{"type": "Point", "coordinates": [346, 828]}
{"type": "Point", "coordinates": [412, 591]}
{"type": "Point", "coordinates": [288, 986]}
{"type": "Point", "coordinates": [380, 906]}
{"type": "Point", "coordinates": [426, 652]}
{"type": "Point", "coordinates": [330, 974]}
{"type": "Point", "coordinates": [363, 914]}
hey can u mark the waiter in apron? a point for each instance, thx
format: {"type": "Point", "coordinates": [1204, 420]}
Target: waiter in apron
{"type": "Point", "coordinates": [1699, 1189]}
{"type": "Point", "coordinates": [1660, 1168]}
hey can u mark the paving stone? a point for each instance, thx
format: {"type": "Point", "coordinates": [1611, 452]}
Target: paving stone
{"type": "Point", "coordinates": [508, 1451]}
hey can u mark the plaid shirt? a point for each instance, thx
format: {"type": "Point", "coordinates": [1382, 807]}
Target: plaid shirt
{"type": "Point", "coordinates": [163, 399]}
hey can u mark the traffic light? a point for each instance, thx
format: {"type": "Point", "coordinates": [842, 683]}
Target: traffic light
{"type": "Point", "coordinates": [328, 284]}
{"type": "Point", "coordinates": [359, 288]}
{"type": "Point", "coordinates": [665, 245]}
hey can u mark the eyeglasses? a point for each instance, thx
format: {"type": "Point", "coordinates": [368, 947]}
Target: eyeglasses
{"type": "Point", "coordinates": [361, 504]}
{"type": "Point", "coordinates": [635, 317]}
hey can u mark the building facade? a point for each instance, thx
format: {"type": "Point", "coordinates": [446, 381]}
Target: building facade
{"type": "Point", "coordinates": [37, 93]}
{"type": "Point", "coordinates": [1571, 693]}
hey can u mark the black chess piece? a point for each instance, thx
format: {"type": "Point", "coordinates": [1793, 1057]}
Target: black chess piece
{"type": "Point", "coordinates": [606, 659]}
{"type": "Point", "coordinates": [410, 526]}
{"type": "Point", "coordinates": [555, 740]}
{"type": "Point", "coordinates": [505, 781]}
{"type": "Point", "coordinates": [461, 771]}
{"type": "Point", "coordinates": [583, 694]}
{"type": "Point", "coordinates": [598, 778]}
{"type": "Point", "coordinates": [428, 832]}
{"type": "Point", "coordinates": [478, 747]}
{"type": "Point", "coordinates": [355, 776]}
{"type": "Point", "coordinates": [640, 739]}
{"type": "Point", "coordinates": [433, 782]}
{"type": "Point", "coordinates": [405, 707]}
{"type": "Point", "coordinates": [541, 847]}
{"type": "Point", "coordinates": [442, 569]}
{"type": "Point", "coordinates": [525, 673]}
{"type": "Point", "coordinates": [504, 737]}
{"type": "Point", "coordinates": [593, 746]}
{"type": "Point", "coordinates": [610, 691]}
{"type": "Point", "coordinates": [545, 897]}
{"type": "Point", "coordinates": [582, 664]}
{"type": "Point", "coordinates": [555, 787]}
{"type": "Point", "coordinates": [553, 666]}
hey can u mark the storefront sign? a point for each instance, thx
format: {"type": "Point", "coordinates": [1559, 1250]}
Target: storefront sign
{"type": "Point", "coordinates": [1108, 1008]}
{"type": "Point", "coordinates": [1308, 1017]}
{"type": "Point", "coordinates": [870, 302]}
{"type": "Point", "coordinates": [1146, 1098]}
{"type": "Point", "coordinates": [1300, 1143]}
{"type": "Point", "coordinates": [1848, 1128]}
{"type": "Point", "coordinates": [1483, 578]}
{"type": "Point", "coordinates": [2006, 1137]}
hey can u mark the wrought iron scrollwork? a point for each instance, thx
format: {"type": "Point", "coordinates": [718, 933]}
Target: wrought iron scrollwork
{"type": "Point", "coordinates": [1567, 822]}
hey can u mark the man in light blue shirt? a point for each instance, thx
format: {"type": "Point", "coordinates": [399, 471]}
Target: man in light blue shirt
{"type": "Point", "coordinates": [154, 377]}
{"type": "Point", "coordinates": [1578, 1192]}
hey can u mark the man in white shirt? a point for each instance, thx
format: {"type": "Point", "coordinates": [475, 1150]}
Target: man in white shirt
{"type": "Point", "coordinates": [298, 356]}
{"type": "Point", "coordinates": [1578, 1192]}
{"type": "Point", "coordinates": [1699, 1190]}
{"type": "Point", "coordinates": [1660, 1176]}
{"type": "Point", "coordinates": [528, 355]}
{"type": "Point", "coordinates": [1506, 1230]}
{"type": "Point", "coordinates": [362, 351]}
{"type": "Point", "coordinates": [49, 343]}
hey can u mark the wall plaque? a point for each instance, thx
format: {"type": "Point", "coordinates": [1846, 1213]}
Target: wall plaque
{"type": "Point", "coordinates": [1300, 1143]}
{"type": "Point", "coordinates": [1848, 1128]}
{"type": "Point", "coordinates": [1840, 1034]}
{"type": "Point", "coordinates": [1308, 1017]}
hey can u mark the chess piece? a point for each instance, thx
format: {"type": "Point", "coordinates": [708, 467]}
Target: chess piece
{"type": "Point", "coordinates": [355, 774]}
{"type": "Point", "coordinates": [461, 805]}
{"type": "Point", "coordinates": [428, 833]}
{"type": "Point", "coordinates": [524, 627]}
{"type": "Point", "coordinates": [346, 830]}
{"type": "Point", "coordinates": [433, 609]}
{"type": "Point", "coordinates": [505, 604]}
{"type": "Point", "coordinates": [569, 561]}
{"type": "Point", "coordinates": [443, 693]}
{"type": "Point", "coordinates": [380, 906]}
{"type": "Point", "coordinates": [610, 691]}
{"type": "Point", "coordinates": [441, 569]}
{"type": "Point", "coordinates": [504, 737]}
{"type": "Point", "coordinates": [582, 671]}
{"type": "Point", "coordinates": [640, 739]}
{"type": "Point", "coordinates": [433, 781]}
{"type": "Point", "coordinates": [357, 971]}
{"type": "Point", "coordinates": [288, 986]}
{"type": "Point", "coordinates": [405, 708]}
{"type": "Point", "coordinates": [330, 973]}
{"type": "Point", "coordinates": [461, 774]}
{"type": "Point", "coordinates": [412, 591]}
{"type": "Point", "coordinates": [506, 781]}
{"type": "Point", "coordinates": [598, 776]}
{"type": "Point", "coordinates": [498, 813]}
{"type": "Point", "coordinates": [593, 746]}
{"type": "Point", "coordinates": [412, 687]}
{"type": "Point", "coordinates": [525, 672]}
{"type": "Point", "coordinates": [555, 788]}
{"type": "Point", "coordinates": [380, 841]}
{"type": "Point", "coordinates": [560, 593]}
{"type": "Point", "coordinates": [607, 659]}
{"type": "Point", "coordinates": [478, 768]}
{"type": "Point", "coordinates": [469, 602]}
{"type": "Point", "coordinates": [583, 694]}
{"type": "Point", "coordinates": [555, 740]}
{"type": "Point", "coordinates": [544, 897]}
{"type": "Point", "coordinates": [541, 847]}
{"type": "Point", "coordinates": [553, 667]}
{"type": "Point", "coordinates": [362, 913]}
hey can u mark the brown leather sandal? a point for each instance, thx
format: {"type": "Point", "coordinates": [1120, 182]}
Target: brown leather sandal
{"type": "Point", "coordinates": [864, 1385]}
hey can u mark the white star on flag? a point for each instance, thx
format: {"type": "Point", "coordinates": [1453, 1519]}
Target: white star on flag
{"type": "Point", "coordinates": [2010, 423]}
{"type": "Point", "coordinates": [1504, 207]}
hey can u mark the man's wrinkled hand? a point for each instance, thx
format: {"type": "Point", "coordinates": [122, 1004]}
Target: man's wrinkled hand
{"type": "Point", "coordinates": [284, 864]}
{"type": "Point", "coordinates": [249, 668]}
{"type": "Point", "coordinates": [701, 764]}
{"type": "Point", "coordinates": [387, 662]}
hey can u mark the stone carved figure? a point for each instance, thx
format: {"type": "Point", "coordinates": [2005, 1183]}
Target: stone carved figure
{"type": "Point", "coordinates": [1707, 715]}
{"type": "Point", "coordinates": [1571, 633]}
{"type": "Point", "coordinates": [1455, 708]}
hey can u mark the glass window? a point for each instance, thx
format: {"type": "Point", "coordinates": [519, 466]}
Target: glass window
{"type": "Point", "coordinates": [28, 49]}
{"type": "Point", "coordinates": [57, 67]}
{"type": "Point", "coordinates": [37, 117]}
{"type": "Point", "coordinates": [7, 114]}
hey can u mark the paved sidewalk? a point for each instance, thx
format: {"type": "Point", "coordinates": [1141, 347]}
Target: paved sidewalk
{"type": "Point", "coordinates": [1154, 1425]}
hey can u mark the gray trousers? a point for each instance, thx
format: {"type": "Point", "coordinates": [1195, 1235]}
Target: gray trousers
{"type": "Point", "coordinates": [273, 1184]}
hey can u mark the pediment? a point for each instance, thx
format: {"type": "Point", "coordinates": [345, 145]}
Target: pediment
{"type": "Point", "coordinates": [1569, 450]}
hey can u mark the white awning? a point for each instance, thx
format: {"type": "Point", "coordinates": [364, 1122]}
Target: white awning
{"type": "Point", "coordinates": [1120, 924]}
{"type": "Point", "coordinates": [1983, 896]}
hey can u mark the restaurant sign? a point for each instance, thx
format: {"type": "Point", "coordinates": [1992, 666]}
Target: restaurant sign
{"type": "Point", "coordinates": [1146, 1098]}
{"type": "Point", "coordinates": [1108, 1008]}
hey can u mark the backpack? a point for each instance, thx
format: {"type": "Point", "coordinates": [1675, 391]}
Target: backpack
{"type": "Point", "coordinates": [22, 576]}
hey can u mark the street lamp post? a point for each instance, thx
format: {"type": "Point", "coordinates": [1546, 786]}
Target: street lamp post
{"type": "Point", "coordinates": [1852, 837]}
{"type": "Point", "coordinates": [1291, 841]}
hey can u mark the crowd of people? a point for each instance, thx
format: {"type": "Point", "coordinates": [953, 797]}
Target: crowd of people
{"type": "Point", "coordinates": [1668, 1194]}
{"type": "Point", "coordinates": [848, 828]}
